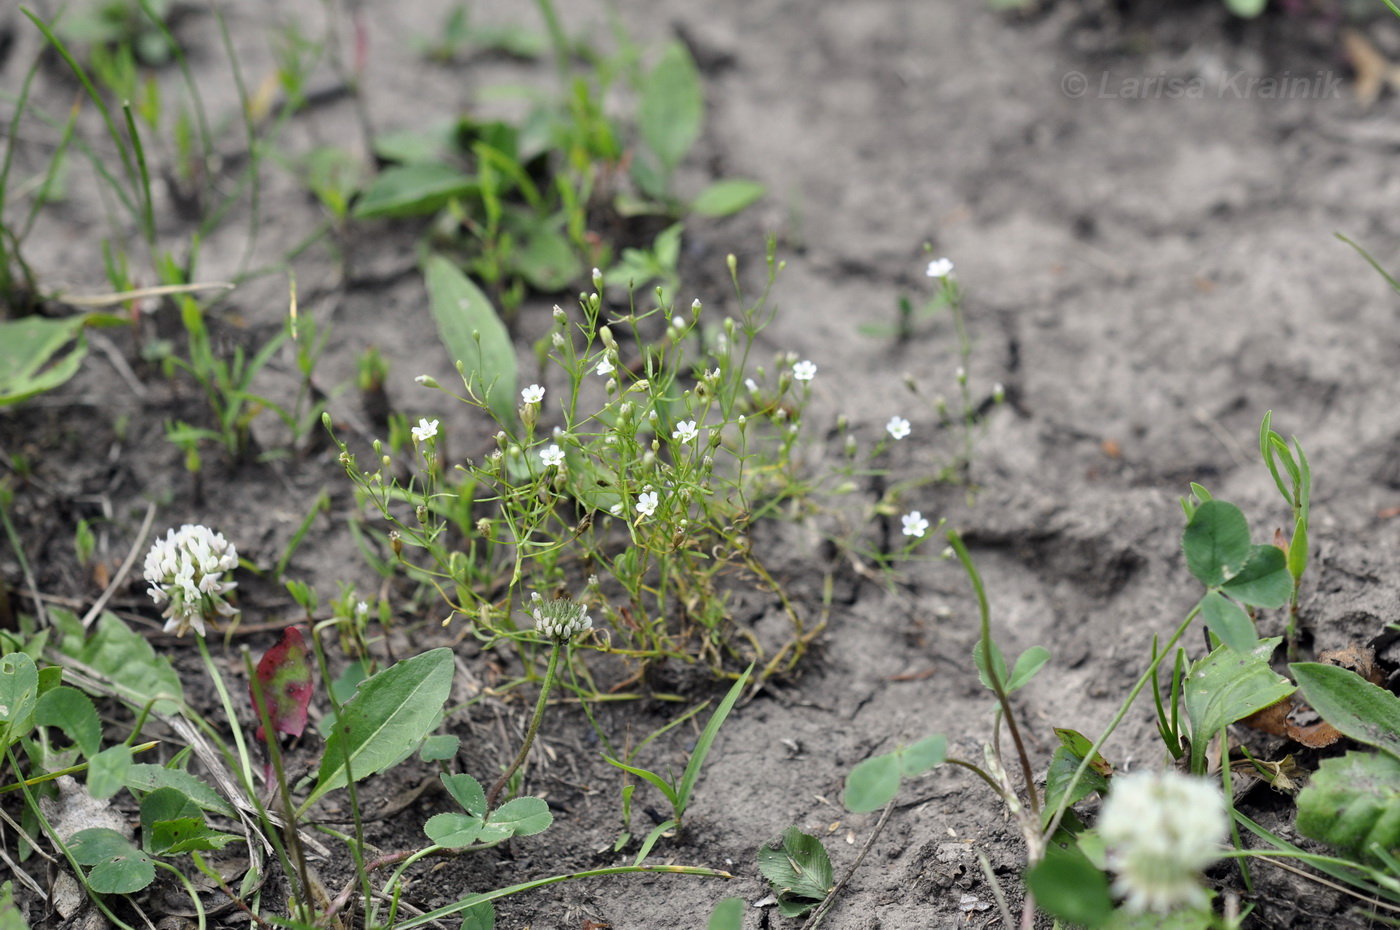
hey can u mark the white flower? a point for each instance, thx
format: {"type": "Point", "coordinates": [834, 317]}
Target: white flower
{"type": "Point", "coordinates": [646, 503]}
{"type": "Point", "coordinates": [898, 427]}
{"type": "Point", "coordinates": [605, 367]}
{"type": "Point", "coordinates": [752, 385]}
{"type": "Point", "coordinates": [186, 570]}
{"type": "Point", "coordinates": [560, 619]}
{"type": "Point", "coordinates": [1161, 828]}
{"type": "Point", "coordinates": [532, 394]}
{"type": "Point", "coordinates": [804, 370]}
{"type": "Point", "coordinates": [914, 523]}
{"type": "Point", "coordinates": [677, 322]}
{"type": "Point", "coordinates": [362, 610]}
{"type": "Point", "coordinates": [552, 456]}
{"type": "Point", "coordinates": [939, 268]}
{"type": "Point", "coordinates": [425, 430]}
{"type": "Point", "coordinates": [685, 431]}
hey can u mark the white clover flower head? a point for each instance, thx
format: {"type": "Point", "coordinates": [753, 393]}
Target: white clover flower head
{"type": "Point", "coordinates": [914, 523]}
{"type": "Point", "coordinates": [1161, 828]}
{"type": "Point", "coordinates": [804, 370]}
{"type": "Point", "coordinates": [532, 394]}
{"type": "Point", "coordinates": [898, 427]}
{"type": "Point", "coordinates": [425, 430]}
{"type": "Point", "coordinates": [605, 367]}
{"type": "Point", "coordinates": [940, 268]}
{"type": "Point", "coordinates": [646, 503]}
{"type": "Point", "coordinates": [685, 431]}
{"type": "Point", "coordinates": [552, 456]}
{"type": "Point", "coordinates": [185, 571]}
{"type": "Point", "coordinates": [560, 619]}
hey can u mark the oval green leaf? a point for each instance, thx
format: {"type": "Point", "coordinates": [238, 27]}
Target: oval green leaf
{"type": "Point", "coordinates": [872, 784]}
{"type": "Point", "coordinates": [452, 829]}
{"type": "Point", "coordinates": [1216, 542]}
{"type": "Point", "coordinates": [927, 753]}
{"type": "Point", "coordinates": [1353, 803]}
{"type": "Point", "coordinates": [726, 197]}
{"type": "Point", "coordinates": [1365, 712]}
{"type": "Point", "coordinates": [1264, 581]}
{"type": "Point", "coordinates": [474, 336]}
{"type": "Point", "coordinates": [521, 817]}
{"type": "Point", "coordinates": [412, 190]}
{"type": "Point", "coordinates": [1228, 621]}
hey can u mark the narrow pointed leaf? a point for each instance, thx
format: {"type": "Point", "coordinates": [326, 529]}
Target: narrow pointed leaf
{"type": "Point", "coordinates": [1365, 712]}
{"type": "Point", "coordinates": [474, 336]}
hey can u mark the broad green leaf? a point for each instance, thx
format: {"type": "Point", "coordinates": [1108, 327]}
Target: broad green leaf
{"type": "Point", "coordinates": [1365, 712]}
{"type": "Point", "coordinates": [129, 661]}
{"type": "Point", "coordinates": [872, 784]}
{"type": "Point", "coordinates": [1216, 542]}
{"type": "Point", "coordinates": [164, 804]}
{"type": "Point", "coordinates": [1264, 581]}
{"type": "Point", "coordinates": [390, 713]}
{"type": "Point", "coordinates": [1226, 686]}
{"type": "Point", "coordinates": [30, 360]}
{"type": "Point", "coordinates": [546, 259]}
{"type": "Point", "coordinates": [707, 739]}
{"type": "Point", "coordinates": [145, 777]}
{"type": "Point", "coordinates": [107, 771]}
{"type": "Point", "coordinates": [1064, 762]}
{"type": "Point", "coordinates": [452, 829]}
{"type": "Point", "coordinates": [798, 868]}
{"type": "Point", "coordinates": [481, 916]}
{"type": "Point", "coordinates": [1026, 666]}
{"type": "Point", "coordinates": [439, 747]}
{"type": "Point", "coordinates": [467, 792]}
{"type": "Point", "coordinates": [74, 713]}
{"type": "Point", "coordinates": [727, 915]}
{"type": "Point", "coordinates": [413, 190]}
{"type": "Point", "coordinates": [19, 691]}
{"type": "Point", "coordinates": [432, 145]}
{"type": "Point", "coordinates": [1229, 622]}
{"type": "Point", "coordinates": [474, 336]}
{"type": "Point", "coordinates": [672, 107]}
{"type": "Point", "coordinates": [186, 834]}
{"type": "Point", "coordinates": [979, 658]}
{"type": "Point", "coordinates": [520, 817]}
{"type": "Point", "coordinates": [1353, 803]}
{"type": "Point", "coordinates": [1246, 9]}
{"type": "Point", "coordinates": [927, 753]}
{"type": "Point", "coordinates": [12, 919]}
{"type": "Point", "coordinates": [723, 198]}
{"type": "Point", "coordinates": [1069, 888]}
{"type": "Point", "coordinates": [118, 867]}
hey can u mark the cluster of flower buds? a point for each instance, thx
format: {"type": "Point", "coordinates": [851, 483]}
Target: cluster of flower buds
{"type": "Point", "coordinates": [559, 619]}
{"type": "Point", "coordinates": [185, 571]}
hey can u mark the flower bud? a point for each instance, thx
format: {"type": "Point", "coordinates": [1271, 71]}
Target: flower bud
{"type": "Point", "coordinates": [395, 543]}
{"type": "Point", "coordinates": [605, 334]}
{"type": "Point", "coordinates": [998, 392]}
{"type": "Point", "coordinates": [421, 512]}
{"type": "Point", "coordinates": [560, 619]}
{"type": "Point", "coordinates": [695, 308]}
{"type": "Point", "coordinates": [427, 381]}
{"type": "Point", "coordinates": [557, 339]}
{"type": "Point", "coordinates": [559, 315]}
{"type": "Point", "coordinates": [483, 528]}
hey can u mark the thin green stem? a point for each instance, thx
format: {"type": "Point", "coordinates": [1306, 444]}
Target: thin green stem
{"type": "Point", "coordinates": [554, 651]}
{"type": "Point", "coordinates": [244, 760]}
{"type": "Point", "coordinates": [189, 890]}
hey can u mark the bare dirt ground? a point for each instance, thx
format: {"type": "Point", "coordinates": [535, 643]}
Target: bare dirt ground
{"type": "Point", "coordinates": [1146, 275]}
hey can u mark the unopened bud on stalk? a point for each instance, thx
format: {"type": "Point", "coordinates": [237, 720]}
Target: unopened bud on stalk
{"type": "Point", "coordinates": [732, 263]}
{"type": "Point", "coordinates": [560, 619]}
{"type": "Point", "coordinates": [597, 280]}
{"type": "Point", "coordinates": [998, 392]}
{"type": "Point", "coordinates": [427, 381]}
{"type": "Point", "coordinates": [395, 542]}
{"type": "Point", "coordinates": [483, 527]}
{"type": "Point", "coordinates": [695, 308]}
{"type": "Point", "coordinates": [557, 340]}
{"type": "Point", "coordinates": [559, 315]}
{"type": "Point", "coordinates": [605, 334]}
{"type": "Point", "coordinates": [421, 512]}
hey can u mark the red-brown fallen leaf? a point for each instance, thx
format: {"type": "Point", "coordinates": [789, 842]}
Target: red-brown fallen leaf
{"type": "Point", "coordinates": [284, 675]}
{"type": "Point", "coordinates": [1294, 718]}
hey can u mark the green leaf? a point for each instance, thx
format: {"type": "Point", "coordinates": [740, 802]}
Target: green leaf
{"type": "Point", "coordinates": [656, 780]}
{"type": "Point", "coordinates": [927, 753]}
{"type": "Point", "coordinates": [145, 777]}
{"type": "Point", "coordinates": [19, 690]}
{"type": "Point", "coordinates": [1064, 762]}
{"type": "Point", "coordinates": [1229, 622]}
{"type": "Point", "coordinates": [1353, 803]}
{"type": "Point", "coordinates": [389, 714]}
{"type": "Point", "coordinates": [547, 260]}
{"type": "Point", "coordinates": [1216, 542]}
{"type": "Point", "coordinates": [12, 919]}
{"type": "Point", "coordinates": [1365, 712]}
{"type": "Point", "coordinates": [672, 106]}
{"type": "Point", "coordinates": [872, 784]}
{"type": "Point", "coordinates": [1264, 581]}
{"type": "Point", "coordinates": [1026, 666]}
{"type": "Point", "coordinates": [452, 829]}
{"type": "Point", "coordinates": [414, 146]}
{"type": "Point", "coordinates": [413, 190]}
{"type": "Point", "coordinates": [439, 748]}
{"type": "Point", "coordinates": [519, 817]}
{"type": "Point", "coordinates": [1226, 686]}
{"type": "Point", "coordinates": [979, 658]}
{"type": "Point", "coordinates": [30, 362]}
{"type": "Point", "coordinates": [798, 868]}
{"type": "Point", "coordinates": [727, 915]}
{"type": "Point", "coordinates": [1298, 549]}
{"type": "Point", "coordinates": [467, 792]}
{"type": "Point", "coordinates": [1069, 888]}
{"type": "Point", "coordinates": [707, 739]}
{"type": "Point", "coordinates": [656, 833]}
{"type": "Point", "coordinates": [1246, 9]}
{"type": "Point", "coordinates": [74, 713]}
{"type": "Point", "coordinates": [726, 197]}
{"type": "Point", "coordinates": [107, 771]}
{"type": "Point", "coordinates": [164, 804]}
{"type": "Point", "coordinates": [186, 834]}
{"type": "Point", "coordinates": [118, 867]}
{"type": "Point", "coordinates": [128, 660]}
{"type": "Point", "coordinates": [461, 310]}
{"type": "Point", "coordinates": [480, 916]}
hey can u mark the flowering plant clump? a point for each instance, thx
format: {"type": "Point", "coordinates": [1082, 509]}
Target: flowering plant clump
{"type": "Point", "coordinates": [560, 619]}
{"type": "Point", "coordinates": [1161, 829]}
{"type": "Point", "coordinates": [185, 571]}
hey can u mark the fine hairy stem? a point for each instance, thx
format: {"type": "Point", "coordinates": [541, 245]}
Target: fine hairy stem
{"type": "Point", "coordinates": [500, 784]}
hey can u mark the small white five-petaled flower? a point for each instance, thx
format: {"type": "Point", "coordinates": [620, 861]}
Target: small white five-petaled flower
{"type": "Point", "coordinates": [940, 268]}
{"type": "Point", "coordinates": [914, 523]}
{"type": "Point", "coordinates": [804, 370]}
{"type": "Point", "coordinates": [898, 427]}
{"type": "Point", "coordinates": [552, 456]}
{"type": "Point", "coordinates": [605, 367]}
{"type": "Point", "coordinates": [425, 430]}
{"type": "Point", "coordinates": [646, 503]}
{"type": "Point", "coordinates": [532, 394]}
{"type": "Point", "coordinates": [685, 431]}
{"type": "Point", "coordinates": [186, 569]}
